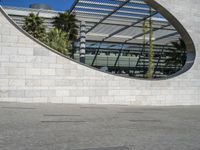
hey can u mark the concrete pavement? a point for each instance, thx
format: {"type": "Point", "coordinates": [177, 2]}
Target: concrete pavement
{"type": "Point", "coordinates": [98, 127]}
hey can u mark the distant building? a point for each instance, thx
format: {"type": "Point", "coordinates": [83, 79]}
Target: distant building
{"type": "Point", "coordinates": [40, 6]}
{"type": "Point", "coordinates": [18, 14]}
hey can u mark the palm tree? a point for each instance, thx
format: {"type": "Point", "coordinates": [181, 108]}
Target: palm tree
{"type": "Point", "coordinates": [34, 26]}
{"type": "Point", "coordinates": [57, 40]}
{"type": "Point", "coordinates": [148, 28]}
{"type": "Point", "coordinates": [67, 23]}
{"type": "Point", "coordinates": [178, 56]}
{"type": "Point", "coordinates": [151, 53]}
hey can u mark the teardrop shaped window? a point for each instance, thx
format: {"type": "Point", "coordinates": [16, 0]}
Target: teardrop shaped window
{"type": "Point", "coordinates": [123, 37]}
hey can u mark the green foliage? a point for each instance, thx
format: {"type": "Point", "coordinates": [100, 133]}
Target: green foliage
{"type": "Point", "coordinates": [147, 27]}
{"type": "Point", "coordinates": [145, 30]}
{"type": "Point", "coordinates": [34, 26]}
{"type": "Point", "coordinates": [178, 56]}
{"type": "Point", "coordinates": [67, 23]}
{"type": "Point", "coordinates": [151, 55]}
{"type": "Point", "coordinates": [57, 40]}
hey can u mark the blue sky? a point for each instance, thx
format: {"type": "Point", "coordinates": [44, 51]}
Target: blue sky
{"type": "Point", "coordinates": [55, 4]}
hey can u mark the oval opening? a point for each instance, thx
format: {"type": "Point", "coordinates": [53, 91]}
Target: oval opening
{"type": "Point", "coordinates": [135, 39]}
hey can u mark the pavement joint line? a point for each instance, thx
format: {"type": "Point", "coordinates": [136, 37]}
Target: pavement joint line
{"type": "Point", "coordinates": [93, 107]}
{"type": "Point", "coordinates": [106, 148]}
{"type": "Point", "coordinates": [60, 115]}
{"type": "Point", "coordinates": [145, 121]}
{"type": "Point", "coordinates": [63, 121]}
{"type": "Point", "coordinates": [17, 108]}
{"type": "Point", "coordinates": [153, 109]}
{"type": "Point", "coordinates": [123, 112]}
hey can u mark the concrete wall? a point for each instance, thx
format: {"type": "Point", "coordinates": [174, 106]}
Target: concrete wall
{"type": "Point", "coordinates": [29, 72]}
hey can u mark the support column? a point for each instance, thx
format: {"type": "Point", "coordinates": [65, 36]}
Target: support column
{"type": "Point", "coordinates": [82, 41]}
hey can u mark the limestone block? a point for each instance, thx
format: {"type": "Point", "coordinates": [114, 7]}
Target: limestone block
{"type": "Point", "coordinates": [16, 82]}
{"type": "Point", "coordinates": [70, 100]}
{"type": "Point", "coordinates": [3, 94]}
{"type": "Point", "coordinates": [9, 39]}
{"type": "Point", "coordinates": [96, 100]}
{"type": "Point", "coordinates": [5, 31]}
{"type": "Point", "coordinates": [4, 58]}
{"type": "Point", "coordinates": [62, 83]}
{"type": "Point", "coordinates": [48, 72]}
{"type": "Point", "coordinates": [24, 40]}
{"type": "Point", "coordinates": [9, 50]}
{"type": "Point", "coordinates": [25, 100]}
{"type": "Point", "coordinates": [83, 100]}
{"type": "Point", "coordinates": [31, 71]}
{"type": "Point", "coordinates": [32, 93]}
{"type": "Point", "coordinates": [40, 65]}
{"type": "Point", "coordinates": [125, 92]}
{"type": "Point", "coordinates": [63, 93]}
{"type": "Point", "coordinates": [16, 93]}
{"type": "Point", "coordinates": [40, 100]}
{"type": "Point", "coordinates": [40, 52]}
{"type": "Point", "coordinates": [8, 99]}
{"type": "Point", "coordinates": [25, 51]}
{"type": "Point", "coordinates": [62, 72]}
{"type": "Point", "coordinates": [4, 82]}
{"type": "Point", "coordinates": [17, 59]}
{"type": "Point", "coordinates": [16, 71]}
{"type": "Point", "coordinates": [76, 93]}
{"type": "Point", "coordinates": [49, 83]}
{"type": "Point", "coordinates": [55, 100]}
{"type": "Point", "coordinates": [48, 60]}
{"type": "Point", "coordinates": [32, 82]}
{"type": "Point", "coordinates": [57, 66]}
{"type": "Point", "coordinates": [48, 93]}
{"type": "Point", "coordinates": [101, 92]}
{"type": "Point", "coordinates": [3, 71]}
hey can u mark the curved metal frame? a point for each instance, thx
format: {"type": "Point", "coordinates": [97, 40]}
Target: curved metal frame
{"type": "Point", "coordinates": [191, 51]}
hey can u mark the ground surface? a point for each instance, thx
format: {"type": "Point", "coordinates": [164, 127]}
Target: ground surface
{"type": "Point", "coordinates": [83, 127]}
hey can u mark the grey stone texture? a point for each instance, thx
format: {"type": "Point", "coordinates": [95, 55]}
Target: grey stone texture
{"type": "Point", "coordinates": [30, 72]}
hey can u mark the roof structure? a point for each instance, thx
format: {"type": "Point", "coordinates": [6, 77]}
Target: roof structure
{"type": "Point", "coordinates": [18, 14]}
{"type": "Point", "coordinates": [122, 21]}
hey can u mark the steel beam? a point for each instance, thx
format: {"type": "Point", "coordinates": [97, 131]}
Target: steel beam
{"type": "Point", "coordinates": [96, 54]}
{"type": "Point", "coordinates": [155, 29]}
{"type": "Point", "coordinates": [143, 50]}
{"type": "Point", "coordinates": [165, 36]}
{"type": "Point", "coordinates": [121, 43]}
{"type": "Point", "coordinates": [73, 6]}
{"type": "Point", "coordinates": [133, 24]}
{"type": "Point", "coordinates": [154, 73]}
{"type": "Point", "coordinates": [110, 14]}
{"type": "Point", "coordinates": [120, 51]}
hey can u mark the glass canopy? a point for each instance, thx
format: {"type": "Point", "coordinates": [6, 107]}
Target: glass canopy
{"type": "Point", "coordinates": [120, 34]}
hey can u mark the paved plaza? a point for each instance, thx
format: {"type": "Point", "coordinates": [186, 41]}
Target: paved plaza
{"type": "Point", "coordinates": [98, 127]}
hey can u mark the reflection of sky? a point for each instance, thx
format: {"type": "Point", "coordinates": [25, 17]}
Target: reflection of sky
{"type": "Point", "coordinates": [55, 4]}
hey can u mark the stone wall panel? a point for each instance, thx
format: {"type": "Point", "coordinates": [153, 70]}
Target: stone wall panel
{"type": "Point", "coordinates": [33, 73]}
